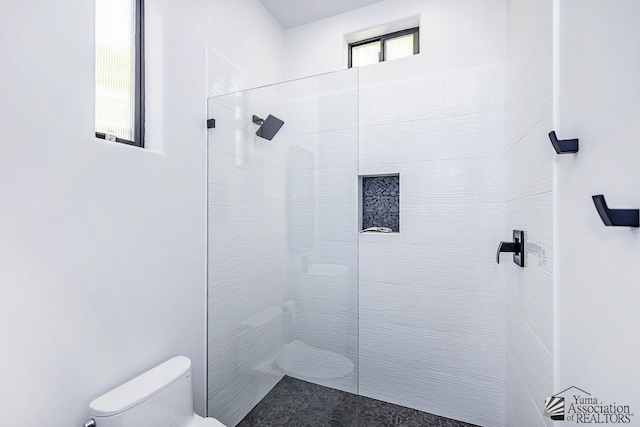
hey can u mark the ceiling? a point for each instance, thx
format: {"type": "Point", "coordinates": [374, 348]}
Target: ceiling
{"type": "Point", "coordinates": [292, 13]}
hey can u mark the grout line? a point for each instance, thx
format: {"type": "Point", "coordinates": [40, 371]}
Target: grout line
{"type": "Point", "coordinates": [526, 386]}
{"type": "Point", "coordinates": [526, 133]}
{"type": "Point", "coordinates": [544, 347]}
{"type": "Point", "coordinates": [529, 63]}
{"type": "Point", "coordinates": [515, 199]}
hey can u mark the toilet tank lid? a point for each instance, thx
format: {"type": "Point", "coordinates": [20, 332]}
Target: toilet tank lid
{"type": "Point", "coordinates": [140, 388]}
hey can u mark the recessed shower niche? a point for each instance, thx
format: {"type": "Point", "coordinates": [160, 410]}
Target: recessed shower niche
{"type": "Point", "coordinates": [381, 203]}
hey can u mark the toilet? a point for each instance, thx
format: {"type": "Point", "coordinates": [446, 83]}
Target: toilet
{"type": "Point", "coordinates": [161, 397]}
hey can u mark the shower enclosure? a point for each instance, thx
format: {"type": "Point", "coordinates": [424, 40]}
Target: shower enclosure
{"type": "Point", "coordinates": [282, 240]}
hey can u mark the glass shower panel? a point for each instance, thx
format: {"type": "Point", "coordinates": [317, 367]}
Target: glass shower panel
{"type": "Point", "coordinates": [282, 241]}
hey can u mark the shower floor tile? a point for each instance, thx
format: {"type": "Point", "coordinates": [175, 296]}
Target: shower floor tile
{"type": "Point", "coordinates": [298, 403]}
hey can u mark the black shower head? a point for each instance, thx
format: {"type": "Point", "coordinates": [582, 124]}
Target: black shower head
{"type": "Point", "coordinates": [268, 127]}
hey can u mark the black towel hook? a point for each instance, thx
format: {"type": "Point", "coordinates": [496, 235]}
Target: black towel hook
{"type": "Point", "coordinates": [563, 146]}
{"type": "Point", "coordinates": [616, 217]}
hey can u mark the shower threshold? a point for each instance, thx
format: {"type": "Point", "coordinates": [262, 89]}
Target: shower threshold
{"type": "Point", "coordinates": [294, 402]}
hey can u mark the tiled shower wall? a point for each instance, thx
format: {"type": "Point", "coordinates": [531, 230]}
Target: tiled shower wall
{"type": "Point", "coordinates": [529, 207]}
{"type": "Point", "coordinates": [432, 296]}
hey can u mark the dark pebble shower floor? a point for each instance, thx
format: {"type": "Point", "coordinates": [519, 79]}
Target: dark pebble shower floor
{"type": "Point", "coordinates": [298, 403]}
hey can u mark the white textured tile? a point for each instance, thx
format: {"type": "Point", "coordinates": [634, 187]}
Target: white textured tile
{"type": "Point", "coordinates": [529, 163]}
{"type": "Point", "coordinates": [401, 101]}
{"type": "Point", "coordinates": [431, 299]}
{"type": "Point", "coordinates": [334, 83]}
{"type": "Point", "coordinates": [431, 139]}
{"type": "Point", "coordinates": [531, 99]}
{"type": "Point", "coordinates": [401, 142]}
{"type": "Point", "coordinates": [529, 207]}
{"type": "Point", "coordinates": [323, 113]}
{"type": "Point", "coordinates": [473, 92]}
{"type": "Point", "coordinates": [410, 68]}
{"type": "Point", "coordinates": [433, 294]}
{"type": "Point", "coordinates": [451, 217]}
{"type": "Point", "coordinates": [429, 268]}
{"type": "Point", "coordinates": [478, 357]}
{"type": "Point", "coordinates": [393, 383]}
{"type": "Point", "coordinates": [534, 215]}
{"type": "Point", "coordinates": [330, 149]}
{"type": "Point", "coordinates": [415, 383]}
{"type": "Point", "coordinates": [528, 22]}
{"type": "Point", "coordinates": [479, 401]}
{"type": "Point", "coordinates": [531, 293]}
{"type": "Point", "coordinates": [456, 183]}
{"type": "Point", "coordinates": [448, 202]}
{"type": "Point", "coordinates": [479, 134]}
{"type": "Point", "coordinates": [520, 408]}
{"type": "Point", "coordinates": [533, 361]}
{"type": "Point", "coordinates": [321, 310]}
{"type": "Point", "coordinates": [243, 343]}
{"type": "Point", "coordinates": [403, 304]}
{"type": "Point", "coordinates": [282, 244]}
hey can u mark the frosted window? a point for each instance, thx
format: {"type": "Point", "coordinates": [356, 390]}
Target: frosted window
{"type": "Point", "coordinates": [399, 47]}
{"type": "Point", "coordinates": [115, 67]}
{"type": "Point", "coordinates": [365, 54]}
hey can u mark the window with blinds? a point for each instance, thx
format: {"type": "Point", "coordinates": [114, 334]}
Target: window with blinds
{"type": "Point", "coordinates": [119, 76]}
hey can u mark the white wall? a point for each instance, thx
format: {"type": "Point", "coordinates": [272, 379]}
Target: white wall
{"type": "Point", "coordinates": [599, 103]}
{"type": "Point", "coordinates": [103, 257]}
{"type": "Point", "coordinates": [453, 35]}
{"type": "Point", "coordinates": [245, 33]}
{"type": "Point", "coordinates": [529, 207]}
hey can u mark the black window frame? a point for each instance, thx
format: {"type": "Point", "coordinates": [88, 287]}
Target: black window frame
{"type": "Point", "coordinates": [139, 82]}
{"type": "Point", "coordinates": [383, 46]}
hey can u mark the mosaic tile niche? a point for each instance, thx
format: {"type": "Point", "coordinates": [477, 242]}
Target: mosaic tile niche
{"type": "Point", "coordinates": [381, 202]}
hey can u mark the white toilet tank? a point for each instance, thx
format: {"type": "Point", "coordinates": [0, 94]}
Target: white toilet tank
{"type": "Point", "coordinates": [161, 397]}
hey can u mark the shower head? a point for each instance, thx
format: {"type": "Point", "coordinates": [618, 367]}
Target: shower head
{"type": "Point", "coordinates": [268, 127]}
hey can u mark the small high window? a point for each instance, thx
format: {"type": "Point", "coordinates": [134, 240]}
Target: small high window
{"type": "Point", "coordinates": [119, 40]}
{"type": "Point", "coordinates": [385, 48]}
